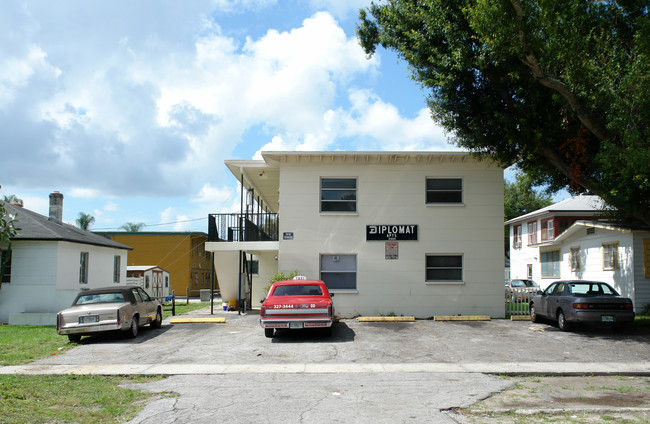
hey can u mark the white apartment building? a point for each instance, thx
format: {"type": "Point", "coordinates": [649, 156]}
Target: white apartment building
{"type": "Point", "coordinates": [405, 233]}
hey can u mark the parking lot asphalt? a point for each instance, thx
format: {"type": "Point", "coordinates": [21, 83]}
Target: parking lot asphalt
{"type": "Point", "coordinates": [239, 346]}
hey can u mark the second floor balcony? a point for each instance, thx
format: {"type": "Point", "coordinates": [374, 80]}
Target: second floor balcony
{"type": "Point", "coordinates": [243, 227]}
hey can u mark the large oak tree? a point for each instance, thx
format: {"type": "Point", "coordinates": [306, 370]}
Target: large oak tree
{"type": "Point", "coordinates": [559, 88]}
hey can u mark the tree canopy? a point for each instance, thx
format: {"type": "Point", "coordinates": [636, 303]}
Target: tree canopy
{"type": "Point", "coordinates": [522, 197]}
{"type": "Point", "coordinates": [559, 88]}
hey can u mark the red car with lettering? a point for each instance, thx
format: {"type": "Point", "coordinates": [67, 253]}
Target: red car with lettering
{"type": "Point", "coordinates": [297, 304]}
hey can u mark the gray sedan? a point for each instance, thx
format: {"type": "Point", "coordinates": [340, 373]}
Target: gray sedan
{"type": "Point", "coordinates": [116, 308]}
{"type": "Point", "coordinates": [581, 302]}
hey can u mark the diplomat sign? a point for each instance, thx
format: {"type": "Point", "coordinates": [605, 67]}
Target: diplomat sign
{"type": "Point", "coordinates": [391, 232]}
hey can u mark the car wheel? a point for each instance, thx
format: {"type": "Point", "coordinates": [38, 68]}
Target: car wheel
{"type": "Point", "coordinates": [268, 332]}
{"type": "Point", "coordinates": [561, 321]}
{"type": "Point", "coordinates": [158, 321]}
{"type": "Point", "coordinates": [74, 338]}
{"type": "Point", "coordinates": [133, 330]}
{"type": "Point", "coordinates": [533, 314]}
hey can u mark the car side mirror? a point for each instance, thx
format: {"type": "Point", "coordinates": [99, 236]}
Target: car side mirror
{"type": "Point", "coordinates": [540, 292]}
{"type": "Point", "coordinates": [263, 299]}
{"type": "Point", "coordinates": [331, 294]}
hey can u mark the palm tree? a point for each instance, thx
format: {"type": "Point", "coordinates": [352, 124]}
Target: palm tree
{"type": "Point", "coordinates": [85, 220]}
{"type": "Point", "coordinates": [131, 227]}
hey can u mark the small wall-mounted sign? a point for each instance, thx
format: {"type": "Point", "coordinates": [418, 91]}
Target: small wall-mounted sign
{"type": "Point", "coordinates": [391, 232]}
{"type": "Point", "coordinates": [392, 250]}
{"type": "Point", "coordinates": [287, 236]}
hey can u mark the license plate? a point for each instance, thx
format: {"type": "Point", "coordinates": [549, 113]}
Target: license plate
{"type": "Point", "coordinates": [295, 325]}
{"type": "Point", "coordinates": [86, 319]}
{"type": "Point", "coordinates": [607, 318]}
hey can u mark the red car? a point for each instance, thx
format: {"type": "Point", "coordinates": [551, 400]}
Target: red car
{"type": "Point", "coordinates": [297, 304]}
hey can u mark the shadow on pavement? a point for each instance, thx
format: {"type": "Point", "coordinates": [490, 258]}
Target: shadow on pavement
{"type": "Point", "coordinates": [341, 333]}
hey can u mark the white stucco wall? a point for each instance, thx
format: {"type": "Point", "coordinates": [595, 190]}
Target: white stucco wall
{"type": "Point", "coordinates": [395, 194]}
{"type": "Point", "coordinates": [268, 267]}
{"type": "Point", "coordinates": [45, 275]}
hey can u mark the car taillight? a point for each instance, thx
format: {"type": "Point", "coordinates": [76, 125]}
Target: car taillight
{"type": "Point", "coordinates": [329, 309]}
{"type": "Point", "coordinates": [263, 311]}
{"type": "Point", "coordinates": [581, 305]}
{"type": "Point", "coordinates": [119, 318]}
{"type": "Point", "coordinates": [628, 307]}
{"type": "Point", "coordinates": [58, 322]}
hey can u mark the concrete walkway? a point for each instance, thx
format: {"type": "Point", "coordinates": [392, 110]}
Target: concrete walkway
{"type": "Point", "coordinates": [503, 368]}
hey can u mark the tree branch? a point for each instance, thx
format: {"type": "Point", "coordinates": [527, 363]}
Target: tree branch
{"type": "Point", "coordinates": [529, 59]}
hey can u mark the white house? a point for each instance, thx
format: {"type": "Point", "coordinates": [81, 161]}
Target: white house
{"type": "Point", "coordinates": [569, 240]}
{"type": "Point", "coordinates": [412, 233]}
{"type": "Point", "coordinates": [154, 280]}
{"type": "Point", "coordinates": [51, 262]}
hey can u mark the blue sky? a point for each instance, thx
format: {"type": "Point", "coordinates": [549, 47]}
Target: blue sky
{"type": "Point", "coordinates": [129, 108]}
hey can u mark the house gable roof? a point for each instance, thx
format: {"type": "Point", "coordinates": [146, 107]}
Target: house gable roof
{"type": "Point", "coordinates": [578, 205]}
{"type": "Point", "coordinates": [34, 226]}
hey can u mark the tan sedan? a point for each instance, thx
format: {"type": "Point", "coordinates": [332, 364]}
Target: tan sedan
{"type": "Point", "coordinates": [118, 308]}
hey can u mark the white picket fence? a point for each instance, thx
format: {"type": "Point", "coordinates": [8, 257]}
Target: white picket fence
{"type": "Point", "coordinates": [518, 301]}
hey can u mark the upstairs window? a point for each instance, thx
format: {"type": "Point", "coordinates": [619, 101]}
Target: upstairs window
{"type": "Point", "coordinates": [444, 191]}
{"type": "Point", "coordinates": [516, 237]}
{"type": "Point", "coordinates": [338, 195]}
{"type": "Point", "coordinates": [547, 229]}
{"type": "Point", "coordinates": [532, 232]}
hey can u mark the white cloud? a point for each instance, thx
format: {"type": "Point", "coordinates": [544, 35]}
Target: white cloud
{"type": "Point", "coordinates": [87, 193]}
{"type": "Point", "coordinates": [342, 9]}
{"type": "Point", "coordinates": [104, 107]}
{"type": "Point", "coordinates": [210, 194]}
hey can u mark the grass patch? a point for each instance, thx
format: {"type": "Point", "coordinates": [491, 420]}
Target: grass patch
{"type": "Point", "coordinates": [70, 398]}
{"type": "Point", "coordinates": [24, 344]}
{"type": "Point", "coordinates": [183, 308]}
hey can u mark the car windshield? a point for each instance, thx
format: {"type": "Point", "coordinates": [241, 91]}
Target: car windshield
{"type": "Point", "coordinates": [591, 289]}
{"type": "Point", "coordinates": [298, 290]}
{"type": "Point", "coordinates": [85, 299]}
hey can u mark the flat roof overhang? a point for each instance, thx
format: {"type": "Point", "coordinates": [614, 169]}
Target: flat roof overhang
{"type": "Point", "coordinates": [246, 246]}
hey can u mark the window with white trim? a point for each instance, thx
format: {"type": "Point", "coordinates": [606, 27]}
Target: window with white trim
{"type": "Point", "coordinates": [83, 268]}
{"type": "Point", "coordinates": [338, 195]}
{"type": "Point", "coordinates": [610, 256]}
{"type": "Point", "coordinates": [550, 262]}
{"type": "Point", "coordinates": [444, 191]}
{"type": "Point", "coordinates": [444, 268]}
{"type": "Point", "coordinates": [339, 272]}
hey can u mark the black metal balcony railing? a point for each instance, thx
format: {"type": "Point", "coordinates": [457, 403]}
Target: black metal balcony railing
{"type": "Point", "coordinates": [243, 227]}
